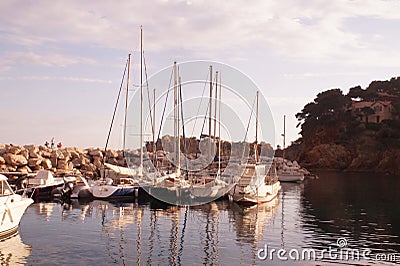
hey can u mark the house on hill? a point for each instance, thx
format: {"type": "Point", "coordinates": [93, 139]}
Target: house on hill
{"type": "Point", "coordinates": [372, 112]}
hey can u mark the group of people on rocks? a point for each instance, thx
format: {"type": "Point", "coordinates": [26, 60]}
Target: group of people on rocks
{"type": "Point", "coordinates": [52, 144]}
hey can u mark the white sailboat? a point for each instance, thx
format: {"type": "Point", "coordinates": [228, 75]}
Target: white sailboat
{"type": "Point", "coordinates": [255, 185]}
{"type": "Point", "coordinates": [210, 188]}
{"type": "Point", "coordinates": [12, 207]}
{"type": "Point", "coordinates": [172, 187]}
{"type": "Point", "coordinates": [287, 171]}
{"type": "Point", "coordinates": [107, 188]}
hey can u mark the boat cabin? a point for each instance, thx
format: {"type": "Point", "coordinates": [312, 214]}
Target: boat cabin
{"type": "Point", "coordinates": [5, 189]}
{"type": "Point", "coordinates": [43, 177]}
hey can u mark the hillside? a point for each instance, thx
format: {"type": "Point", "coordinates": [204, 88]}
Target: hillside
{"type": "Point", "coordinates": [357, 131]}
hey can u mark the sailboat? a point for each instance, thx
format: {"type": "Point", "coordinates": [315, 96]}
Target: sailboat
{"type": "Point", "coordinates": [288, 171]}
{"type": "Point", "coordinates": [12, 207]}
{"type": "Point", "coordinates": [192, 187]}
{"type": "Point", "coordinates": [211, 188]}
{"type": "Point", "coordinates": [256, 184]}
{"type": "Point", "coordinates": [172, 187]}
{"type": "Point", "coordinates": [106, 188]}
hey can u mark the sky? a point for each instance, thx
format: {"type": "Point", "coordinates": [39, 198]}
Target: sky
{"type": "Point", "coordinates": [61, 62]}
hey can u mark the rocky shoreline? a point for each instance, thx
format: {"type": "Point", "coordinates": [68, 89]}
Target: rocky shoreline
{"type": "Point", "coordinates": [345, 158]}
{"type": "Point", "coordinates": [69, 160]}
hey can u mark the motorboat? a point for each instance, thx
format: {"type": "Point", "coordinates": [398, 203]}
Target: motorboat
{"type": "Point", "coordinates": [255, 185]}
{"type": "Point", "coordinates": [12, 207]}
{"type": "Point", "coordinates": [41, 185]}
{"type": "Point", "coordinates": [107, 189]}
{"type": "Point", "coordinates": [75, 187]}
{"type": "Point", "coordinates": [290, 172]}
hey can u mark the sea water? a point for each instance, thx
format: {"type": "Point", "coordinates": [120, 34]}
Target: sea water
{"type": "Point", "coordinates": [323, 219]}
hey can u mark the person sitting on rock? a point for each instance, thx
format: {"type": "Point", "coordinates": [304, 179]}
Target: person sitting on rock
{"type": "Point", "coordinates": [59, 145]}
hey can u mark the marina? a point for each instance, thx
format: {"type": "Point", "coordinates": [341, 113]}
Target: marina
{"type": "Point", "coordinates": [200, 133]}
{"type": "Point", "coordinates": [303, 215]}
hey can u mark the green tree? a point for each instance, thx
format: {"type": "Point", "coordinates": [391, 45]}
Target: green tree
{"type": "Point", "coordinates": [327, 107]}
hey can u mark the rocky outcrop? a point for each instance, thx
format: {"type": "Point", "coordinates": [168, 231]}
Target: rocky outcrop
{"type": "Point", "coordinates": [32, 158]}
{"type": "Point", "coordinates": [348, 158]}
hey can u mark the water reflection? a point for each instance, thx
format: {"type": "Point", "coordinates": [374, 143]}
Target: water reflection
{"type": "Point", "coordinates": [360, 207]}
{"type": "Point", "coordinates": [13, 251]}
{"type": "Point", "coordinates": [309, 215]}
{"type": "Point", "coordinates": [250, 224]}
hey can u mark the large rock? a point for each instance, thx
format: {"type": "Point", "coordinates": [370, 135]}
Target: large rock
{"type": "Point", "coordinates": [53, 161]}
{"type": "Point", "coordinates": [33, 151]}
{"type": "Point", "coordinates": [46, 163]}
{"type": "Point", "coordinates": [330, 156]}
{"type": "Point", "coordinates": [98, 162]}
{"type": "Point", "coordinates": [44, 151]}
{"type": "Point", "coordinates": [25, 153]}
{"type": "Point", "coordinates": [62, 164]}
{"type": "Point", "coordinates": [57, 154]}
{"type": "Point", "coordinates": [2, 161]}
{"type": "Point", "coordinates": [32, 162]}
{"type": "Point", "coordinates": [14, 149]}
{"type": "Point", "coordinates": [112, 161]}
{"type": "Point", "coordinates": [15, 160]}
{"type": "Point", "coordinates": [66, 154]}
{"type": "Point", "coordinates": [95, 152]}
{"type": "Point", "coordinates": [10, 168]}
{"type": "Point", "coordinates": [89, 170]}
{"type": "Point", "coordinates": [111, 154]}
{"type": "Point", "coordinates": [75, 154]}
{"type": "Point", "coordinates": [2, 149]}
{"type": "Point", "coordinates": [24, 169]}
{"type": "Point", "coordinates": [82, 160]}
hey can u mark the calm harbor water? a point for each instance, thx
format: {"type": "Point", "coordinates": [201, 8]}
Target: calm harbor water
{"type": "Point", "coordinates": [361, 209]}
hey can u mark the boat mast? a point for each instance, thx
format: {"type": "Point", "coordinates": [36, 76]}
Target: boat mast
{"type": "Point", "coordinates": [178, 94]}
{"type": "Point", "coordinates": [284, 136]}
{"type": "Point", "coordinates": [215, 107]}
{"type": "Point", "coordinates": [210, 105]}
{"type": "Point", "coordinates": [219, 126]}
{"type": "Point", "coordinates": [154, 128]}
{"type": "Point", "coordinates": [256, 144]}
{"type": "Point", "coordinates": [175, 83]}
{"type": "Point", "coordinates": [141, 103]}
{"type": "Point", "coordinates": [126, 98]}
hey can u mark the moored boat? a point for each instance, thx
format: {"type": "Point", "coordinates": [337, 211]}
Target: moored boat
{"type": "Point", "coordinates": [12, 207]}
{"type": "Point", "coordinates": [105, 189]}
{"type": "Point", "coordinates": [255, 186]}
{"type": "Point", "coordinates": [289, 171]}
{"type": "Point", "coordinates": [75, 187]}
{"type": "Point", "coordinates": [290, 175]}
{"type": "Point", "coordinates": [41, 185]}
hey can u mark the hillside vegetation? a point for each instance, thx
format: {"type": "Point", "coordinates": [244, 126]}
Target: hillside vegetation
{"type": "Point", "coordinates": [337, 135]}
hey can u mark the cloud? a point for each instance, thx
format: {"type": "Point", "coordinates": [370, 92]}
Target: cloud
{"type": "Point", "coordinates": [44, 78]}
{"type": "Point", "coordinates": [301, 30]}
{"type": "Point", "coordinates": [58, 60]}
{"type": "Point", "coordinates": [321, 74]}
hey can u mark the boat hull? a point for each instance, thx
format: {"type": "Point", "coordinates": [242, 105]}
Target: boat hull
{"type": "Point", "coordinates": [43, 192]}
{"type": "Point", "coordinates": [290, 177]}
{"type": "Point", "coordinates": [171, 195]}
{"type": "Point", "coordinates": [113, 192]}
{"type": "Point", "coordinates": [263, 194]}
{"type": "Point", "coordinates": [11, 210]}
